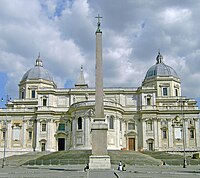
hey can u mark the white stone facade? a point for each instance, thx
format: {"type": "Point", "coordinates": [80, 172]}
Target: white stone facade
{"type": "Point", "coordinates": [153, 116]}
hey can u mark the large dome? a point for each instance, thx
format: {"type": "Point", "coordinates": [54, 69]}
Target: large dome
{"type": "Point", "coordinates": [37, 72]}
{"type": "Point", "coordinates": [160, 69]}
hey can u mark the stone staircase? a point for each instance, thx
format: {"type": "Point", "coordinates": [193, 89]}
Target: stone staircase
{"type": "Point", "coordinates": [132, 158]}
{"type": "Point", "coordinates": [127, 157]}
{"type": "Point", "coordinates": [18, 160]}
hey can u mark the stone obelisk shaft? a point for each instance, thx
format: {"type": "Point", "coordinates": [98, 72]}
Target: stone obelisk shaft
{"type": "Point", "coordinates": [99, 108]}
{"type": "Point", "coordinates": [99, 127]}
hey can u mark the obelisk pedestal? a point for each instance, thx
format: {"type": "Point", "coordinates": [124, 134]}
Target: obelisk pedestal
{"type": "Point", "coordinates": [99, 158]}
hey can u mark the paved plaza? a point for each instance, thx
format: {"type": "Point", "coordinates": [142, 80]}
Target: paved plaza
{"type": "Point", "coordinates": [77, 171]}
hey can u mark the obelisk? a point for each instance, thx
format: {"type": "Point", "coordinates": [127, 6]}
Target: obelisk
{"type": "Point", "coordinates": [99, 158]}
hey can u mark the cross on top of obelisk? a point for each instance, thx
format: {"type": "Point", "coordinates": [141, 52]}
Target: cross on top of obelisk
{"type": "Point", "coordinates": [98, 23]}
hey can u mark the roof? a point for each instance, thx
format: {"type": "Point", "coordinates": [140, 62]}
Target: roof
{"type": "Point", "coordinates": [37, 72]}
{"type": "Point", "coordinates": [160, 69]}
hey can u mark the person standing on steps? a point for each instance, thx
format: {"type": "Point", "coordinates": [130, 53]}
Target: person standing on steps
{"type": "Point", "coordinates": [120, 166]}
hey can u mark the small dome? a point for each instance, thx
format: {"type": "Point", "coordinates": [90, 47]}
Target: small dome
{"type": "Point", "coordinates": [37, 72]}
{"type": "Point", "coordinates": [160, 69]}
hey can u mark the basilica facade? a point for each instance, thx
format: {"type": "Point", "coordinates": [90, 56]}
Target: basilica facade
{"type": "Point", "coordinates": [153, 116]}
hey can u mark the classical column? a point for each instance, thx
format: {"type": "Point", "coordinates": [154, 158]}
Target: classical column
{"type": "Point", "coordinates": [50, 136]}
{"type": "Point", "coordinates": [156, 133]}
{"type": "Point", "coordinates": [9, 134]}
{"type": "Point", "coordinates": [24, 126]}
{"type": "Point", "coordinates": [99, 158]}
{"type": "Point", "coordinates": [170, 135]}
{"type": "Point", "coordinates": [74, 130]}
{"type": "Point", "coordinates": [38, 136]}
{"type": "Point", "coordinates": [186, 133]}
{"type": "Point", "coordinates": [117, 131]}
{"type": "Point", "coordinates": [144, 144]}
{"type": "Point", "coordinates": [87, 132]}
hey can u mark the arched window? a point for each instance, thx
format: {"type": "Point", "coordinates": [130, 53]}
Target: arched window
{"type": "Point", "coordinates": [79, 123]}
{"type": "Point", "coordinates": [148, 101]}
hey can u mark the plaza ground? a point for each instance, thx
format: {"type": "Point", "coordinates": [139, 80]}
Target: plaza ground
{"type": "Point", "coordinates": [139, 165]}
{"type": "Point", "coordinates": [76, 171]}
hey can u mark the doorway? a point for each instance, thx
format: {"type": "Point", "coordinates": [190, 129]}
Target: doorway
{"type": "Point", "coordinates": [131, 144]}
{"type": "Point", "coordinates": [43, 146]}
{"type": "Point", "coordinates": [61, 144]}
{"type": "Point", "coordinates": [150, 146]}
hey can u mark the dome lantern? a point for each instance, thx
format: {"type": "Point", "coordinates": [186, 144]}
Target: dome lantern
{"type": "Point", "coordinates": [38, 61]}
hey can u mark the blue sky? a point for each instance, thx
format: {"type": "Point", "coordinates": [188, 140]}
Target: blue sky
{"type": "Point", "coordinates": [63, 31]}
{"type": "Point", "coordinates": [3, 80]}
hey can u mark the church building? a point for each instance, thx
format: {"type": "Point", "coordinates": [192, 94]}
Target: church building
{"type": "Point", "coordinates": [153, 116]}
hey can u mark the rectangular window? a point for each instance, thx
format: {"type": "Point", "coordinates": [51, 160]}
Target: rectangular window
{"type": "Point", "coordinates": [178, 133]}
{"type": "Point", "coordinates": [30, 135]}
{"type": "Point", "coordinates": [111, 123]}
{"type": "Point", "coordinates": [165, 92]}
{"type": "Point", "coordinates": [176, 92]}
{"type": "Point", "coordinates": [164, 134]}
{"type": "Point", "coordinates": [44, 127]}
{"type": "Point", "coordinates": [149, 125]}
{"type": "Point", "coordinates": [163, 122]}
{"type": "Point", "coordinates": [16, 133]}
{"type": "Point", "coordinates": [44, 102]}
{"type": "Point", "coordinates": [120, 125]}
{"type": "Point", "coordinates": [79, 123]}
{"type": "Point", "coordinates": [22, 94]}
{"type": "Point", "coordinates": [61, 127]}
{"type": "Point", "coordinates": [4, 135]}
{"type": "Point", "coordinates": [131, 126]}
{"type": "Point", "coordinates": [30, 123]}
{"type": "Point", "coordinates": [32, 93]}
{"type": "Point", "coordinates": [4, 123]}
{"type": "Point", "coordinates": [192, 134]}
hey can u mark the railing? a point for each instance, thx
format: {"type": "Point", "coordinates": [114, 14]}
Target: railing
{"type": "Point", "coordinates": [145, 107]}
{"type": "Point", "coordinates": [51, 108]}
{"type": "Point", "coordinates": [58, 162]}
{"type": "Point", "coordinates": [92, 103]}
{"type": "Point", "coordinates": [129, 161]}
{"type": "Point", "coordinates": [18, 110]}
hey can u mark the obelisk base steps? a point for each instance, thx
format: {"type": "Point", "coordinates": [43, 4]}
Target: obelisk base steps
{"type": "Point", "coordinates": [97, 162]}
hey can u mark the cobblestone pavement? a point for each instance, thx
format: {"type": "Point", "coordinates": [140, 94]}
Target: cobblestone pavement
{"type": "Point", "coordinates": [77, 172]}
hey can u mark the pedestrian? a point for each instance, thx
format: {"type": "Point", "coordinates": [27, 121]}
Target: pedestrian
{"type": "Point", "coordinates": [124, 167]}
{"type": "Point", "coordinates": [120, 166]}
{"type": "Point", "coordinates": [86, 167]}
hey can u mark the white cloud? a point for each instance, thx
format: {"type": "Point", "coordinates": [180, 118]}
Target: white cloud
{"type": "Point", "coordinates": [133, 31]}
{"type": "Point", "coordinates": [172, 15]}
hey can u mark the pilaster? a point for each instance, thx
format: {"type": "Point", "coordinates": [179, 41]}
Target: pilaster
{"type": "Point", "coordinates": [197, 136]}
